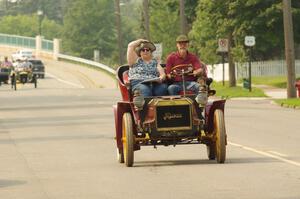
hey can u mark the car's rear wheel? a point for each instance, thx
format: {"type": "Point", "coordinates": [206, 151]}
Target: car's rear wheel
{"type": "Point", "coordinates": [220, 134]}
{"type": "Point", "coordinates": [13, 82]}
{"type": "Point", "coordinates": [211, 151]}
{"type": "Point", "coordinates": [34, 80]}
{"type": "Point", "coordinates": [128, 139]}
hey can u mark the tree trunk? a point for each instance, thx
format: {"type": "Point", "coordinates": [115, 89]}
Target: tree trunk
{"type": "Point", "coordinates": [183, 23]}
{"type": "Point", "coordinates": [146, 18]}
{"type": "Point", "coordinates": [289, 48]}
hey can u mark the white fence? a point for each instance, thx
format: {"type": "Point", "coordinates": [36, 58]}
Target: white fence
{"type": "Point", "coordinates": [262, 68]}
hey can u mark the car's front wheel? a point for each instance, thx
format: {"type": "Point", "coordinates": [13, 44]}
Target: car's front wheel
{"type": "Point", "coordinates": [128, 139]}
{"type": "Point", "coordinates": [120, 156]}
{"type": "Point", "coordinates": [220, 135]}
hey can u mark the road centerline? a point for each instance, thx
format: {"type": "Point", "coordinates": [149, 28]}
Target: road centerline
{"type": "Point", "coordinates": [277, 157]}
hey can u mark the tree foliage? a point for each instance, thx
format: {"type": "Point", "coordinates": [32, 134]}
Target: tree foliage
{"type": "Point", "coordinates": [90, 24]}
{"type": "Point", "coordinates": [53, 10]}
{"type": "Point", "coordinates": [260, 18]}
{"type": "Point", "coordinates": [89, 27]}
{"type": "Point", "coordinates": [27, 25]}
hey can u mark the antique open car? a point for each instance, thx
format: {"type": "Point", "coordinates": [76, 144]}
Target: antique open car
{"type": "Point", "coordinates": [23, 76]}
{"type": "Point", "coordinates": [189, 118]}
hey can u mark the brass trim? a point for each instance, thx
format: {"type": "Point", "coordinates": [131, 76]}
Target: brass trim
{"type": "Point", "coordinates": [174, 102]}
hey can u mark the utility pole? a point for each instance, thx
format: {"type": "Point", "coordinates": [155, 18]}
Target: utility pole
{"type": "Point", "coordinates": [146, 18]}
{"type": "Point", "coordinates": [182, 17]}
{"type": "Point", "coordinates": [289, 48]}
{"type": "Point", "coordinates": [118, 24]}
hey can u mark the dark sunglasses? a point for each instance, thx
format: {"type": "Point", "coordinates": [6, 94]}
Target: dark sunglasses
{"type": "Point", "coordinates": [145, 50]}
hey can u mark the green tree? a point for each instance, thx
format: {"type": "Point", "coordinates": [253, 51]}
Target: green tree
{"type": "Point", "coordinates": [89, 27]}
{"type": "Point", "coordinates": [236, 19]}
{"type": "Point", "coordinates": [164, 23]}
{"type": "Point", "coordinates": [27, 25]}
{"type": "Point", "coordinates": [53, 10]}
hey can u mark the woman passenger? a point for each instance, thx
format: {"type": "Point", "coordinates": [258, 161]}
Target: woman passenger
{"type": "Point", "coordinates": [142, 66]}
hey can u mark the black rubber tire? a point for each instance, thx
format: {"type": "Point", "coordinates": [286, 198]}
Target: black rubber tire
{"type": "Point", "coordinates": [211, 151]}
{"type": "Point", "coordinates": [220, 134]}
{"type": "Point", "coordinates": [13, 82]}
{"type": "Point", "coordinates": [128, 139]}
{"type": "Point", "coordinates": [35, 81]}
{"type": "Point", "coordinates": [120, 156]}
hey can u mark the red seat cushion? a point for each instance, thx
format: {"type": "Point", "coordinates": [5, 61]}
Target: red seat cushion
{"type": "Point", "coordinates": [125, 77]}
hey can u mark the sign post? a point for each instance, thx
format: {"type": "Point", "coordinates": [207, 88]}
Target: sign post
{"type": "Point", "coordinates": [223, 49]}
{"type": "Point", "coordinates": [157, 54]}
{"type": "Point", "coordinates": [250, 42]}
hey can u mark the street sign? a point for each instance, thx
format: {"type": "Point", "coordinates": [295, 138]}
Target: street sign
{"type": "Point", "coordinates": [157, 54]}
{"type": "Point", "coordinates": [250, 41]}
{"type": "Point", "coordinates": [223, 45]}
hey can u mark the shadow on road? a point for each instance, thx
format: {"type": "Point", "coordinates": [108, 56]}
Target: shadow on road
{"type": "Point", "coordinates": [9, 183]}
{"type": "Point", "coordinates": [230, 161]}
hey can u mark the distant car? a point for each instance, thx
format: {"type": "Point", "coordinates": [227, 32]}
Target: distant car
{"type": "Point", "coordinates": [22, 54]}
{"type": "Point", "coordinates": [4, 74]}
{"type": "Point", "coordinates": [38, 67]}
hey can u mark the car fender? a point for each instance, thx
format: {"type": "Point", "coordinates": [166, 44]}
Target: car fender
{"type": "Point", "coordinates": [209, 113]}
{"type": "Point", "coordinates": [119, 110]}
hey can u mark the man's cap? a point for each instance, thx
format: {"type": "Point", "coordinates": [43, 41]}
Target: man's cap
{"type": "Point", "coordinates": [182, 38]}
{"type": "Point", "coordinates": [144, 44]}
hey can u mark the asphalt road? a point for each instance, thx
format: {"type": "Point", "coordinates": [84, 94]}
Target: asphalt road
{"type": "Point", "coordinates": [56, 142]}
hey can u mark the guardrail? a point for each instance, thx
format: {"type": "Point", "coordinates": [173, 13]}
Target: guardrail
{"type": "Point", "coordinates": [47, 45]}
{"type": "Point", "coordinates": [88, 62]}
{"type": "Point", "coordinates": [15, 40]}
{"type": "Point", "coordinates": [47, 48]}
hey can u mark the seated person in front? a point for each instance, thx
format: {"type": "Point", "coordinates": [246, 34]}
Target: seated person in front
{"type": "Point", "coordinates": [143, 67]}
{"type": "Point", "coordinates": [184, 58]}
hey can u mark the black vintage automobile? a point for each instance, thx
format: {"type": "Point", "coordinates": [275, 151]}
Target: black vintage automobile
{"type": "Point", "coordinates": [38, 68]}
{"type": "Point", "coordinates": [4, 74]}
{"type": "Point", "coordinates": [189, 118]}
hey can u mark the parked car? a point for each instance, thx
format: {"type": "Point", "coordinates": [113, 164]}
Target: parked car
{"type": "Point", "coordinates": [188, 118]}
{"type": "Point", "coordinates": [22, 54]}
{"type": "Point", "coordinates": [38, 67]}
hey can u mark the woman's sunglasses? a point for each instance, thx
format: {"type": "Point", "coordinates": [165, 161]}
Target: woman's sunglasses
{"type": "Point", "coordinates": [145, 50]}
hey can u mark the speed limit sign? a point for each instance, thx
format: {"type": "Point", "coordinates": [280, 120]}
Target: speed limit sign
{"type": "Point", "coordinates": [250, 41]}
{"type": "Point", "coordinates": [223, 45]}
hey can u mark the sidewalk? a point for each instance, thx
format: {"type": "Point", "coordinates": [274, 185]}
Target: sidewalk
{"type": "Point", "coordinates": [272, 92]}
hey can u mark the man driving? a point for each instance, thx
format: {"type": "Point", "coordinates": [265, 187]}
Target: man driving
{"type": "Point", "coordinates": [183, 59]}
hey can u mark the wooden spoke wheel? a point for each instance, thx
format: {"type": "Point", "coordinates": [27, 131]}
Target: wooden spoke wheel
{"type": "Point", "coordinates": [128, 139]}
{"type": "Point", "coordinates": [220, 135]}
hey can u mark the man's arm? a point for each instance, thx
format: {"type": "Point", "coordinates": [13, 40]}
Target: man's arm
{"type": "Point", "coordinates": [169, 66]}
{"type": "Point", "coordinates": [198, 66]}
